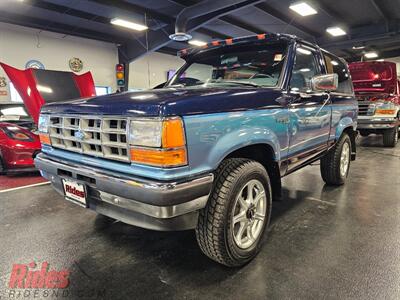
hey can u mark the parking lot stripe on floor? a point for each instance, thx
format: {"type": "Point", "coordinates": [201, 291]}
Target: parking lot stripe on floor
{"type": "Point", "coordinates": [25, 186]}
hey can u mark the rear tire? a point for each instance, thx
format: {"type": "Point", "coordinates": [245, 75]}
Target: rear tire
{"type": "Point", "coordinates": [231, 226]}
{"type": "Point", "coordinates": [335, 164]}
{"type": "Point", "coordinates": [391, 137]}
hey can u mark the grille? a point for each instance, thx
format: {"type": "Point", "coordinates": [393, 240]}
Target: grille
{"type": "Point", "coordinates": [102, 137]}
{"type": "Point", "coordinates": [363, 108]}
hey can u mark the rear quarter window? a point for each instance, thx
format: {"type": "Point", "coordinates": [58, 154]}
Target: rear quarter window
{"type": "Point", "coordinates": [335, 65]}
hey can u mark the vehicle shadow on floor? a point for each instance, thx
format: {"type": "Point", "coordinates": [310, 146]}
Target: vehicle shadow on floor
{"type": "Point", "coordinates": [162, 256]}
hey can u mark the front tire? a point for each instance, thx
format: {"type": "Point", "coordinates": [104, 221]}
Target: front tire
{"type": "Point", "coordinates": [231, 226]}
{"type": "Point", "coordinates": [391, 137]}
{"type": "Point", "coordinates": [335, 164]}
{"type": "Point", "coordinates": [2, 167]}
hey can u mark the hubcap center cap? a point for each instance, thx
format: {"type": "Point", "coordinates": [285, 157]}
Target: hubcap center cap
{"type": "Point", "coordinates": [251, 211]}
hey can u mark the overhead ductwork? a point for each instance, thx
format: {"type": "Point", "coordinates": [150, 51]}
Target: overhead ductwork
{"type": "Point", "coordinates": [196, 15]}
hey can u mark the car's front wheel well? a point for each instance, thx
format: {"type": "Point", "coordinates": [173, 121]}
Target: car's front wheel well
{"type": "Point", "coordinates": [352, 134]}
{"type": "Point", "coordinates": [264, 154]}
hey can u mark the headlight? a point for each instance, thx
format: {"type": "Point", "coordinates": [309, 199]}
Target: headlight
{"type": "Point", "coordinates": [44, 122]}
{"type": "Point", "coordinates": [158, 143]}
{"type": "Point", "coordinates": [385, 108]}
{"type": "Point", "coordinates": [43, 128]}
{"type": "Point", "coordinates": [145, 133]}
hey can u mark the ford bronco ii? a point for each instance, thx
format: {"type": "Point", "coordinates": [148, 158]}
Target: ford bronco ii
{"type": "Point", "coordinates": [208, 150]}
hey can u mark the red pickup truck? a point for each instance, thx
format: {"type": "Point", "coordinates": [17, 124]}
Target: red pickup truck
{"type": "Point", "coordinates": [378, 92]}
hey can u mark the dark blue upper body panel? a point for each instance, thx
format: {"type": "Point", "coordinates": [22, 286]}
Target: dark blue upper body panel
{"type": "Point", "coordinates": [171, 102]}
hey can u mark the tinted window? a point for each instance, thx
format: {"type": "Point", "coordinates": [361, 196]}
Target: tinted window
{"type": "Point", "coordinates": [304, 69]}
{"type": "Point", "coordinates": [335, 65]}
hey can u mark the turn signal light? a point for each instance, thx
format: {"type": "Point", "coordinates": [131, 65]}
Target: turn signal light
{"type": "Point", "coordinates": [173, 135]}
{"type": "Point", "coordinates": [385, 111]}
{"type": "Point", "coordinates": [44, 139]}
{"type": "Point", "coordinates": [159, 157]}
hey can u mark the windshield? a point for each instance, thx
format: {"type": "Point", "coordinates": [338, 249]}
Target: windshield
{"type": "Point", "coordinates": [246, 65]}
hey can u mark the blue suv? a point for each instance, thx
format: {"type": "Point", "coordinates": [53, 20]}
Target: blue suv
{"type": "Point", "coordinates": [207, 151]}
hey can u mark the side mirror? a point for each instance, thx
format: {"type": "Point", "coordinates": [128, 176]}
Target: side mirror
{"type": "Point", "coordinates": [325, 83]}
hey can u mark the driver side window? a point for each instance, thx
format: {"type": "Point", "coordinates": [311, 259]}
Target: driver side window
{"type": "Point", "coordinates": [304, 69]}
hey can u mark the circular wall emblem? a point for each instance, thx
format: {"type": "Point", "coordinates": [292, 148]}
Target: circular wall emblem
{"type": "Point", "coordinates": [34, 64]}
{"type": "Point", "coordinates": [3, 82]}
{"type": "Point", "coordinates": [75, 64]}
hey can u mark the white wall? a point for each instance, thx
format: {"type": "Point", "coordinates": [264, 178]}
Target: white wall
{"type": "Point", "coordinates": [21, 44]}
{"type": "Point", "coordinates": [158, 64]}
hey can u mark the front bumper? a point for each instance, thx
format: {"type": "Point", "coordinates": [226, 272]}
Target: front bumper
{"type": "Point", "coordinates": [377, 123]}
{"type": "Point", "coordinates": [137, 201]}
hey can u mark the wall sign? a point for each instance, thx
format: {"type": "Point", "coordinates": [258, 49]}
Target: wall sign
{"type": "Point", "coordinates": [3, 82]}
{"type": "Point", "coordinates": [75, 64]}
{"type": "Point", "coordinates": [34, 64]}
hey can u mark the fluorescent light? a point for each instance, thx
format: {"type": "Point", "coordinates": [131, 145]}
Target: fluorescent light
{"type": "Point", "coordinates": [358, 47]}
{"type": "Point", "coordinates": [44, 89]}
{"type": "Point", "coordinates": [304, 51]}
{"type": "Point", "coordinates": [335, 31]}
{"type": "Point", "coordinates": [334, 62]}
{"type": "Point", "coordinates": [128, 24]}
{"type": "Point", "coordinates": [303, 9]}
{"type": "Point", "coordinates": [197, 43]}
{"type": "Point", "coordinates": [371, 55]}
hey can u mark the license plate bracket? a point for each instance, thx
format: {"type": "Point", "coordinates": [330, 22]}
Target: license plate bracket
{"type": "Point", "coordinates": [75, 191]}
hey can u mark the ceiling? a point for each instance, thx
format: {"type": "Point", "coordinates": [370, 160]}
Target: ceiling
{"type": "Point", "coordinates": [371, 24]}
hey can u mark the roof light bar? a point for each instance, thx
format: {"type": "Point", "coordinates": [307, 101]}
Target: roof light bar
{"type": "Point", "coordinates": [303, 9]}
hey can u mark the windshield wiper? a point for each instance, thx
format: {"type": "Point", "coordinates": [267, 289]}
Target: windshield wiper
{"type": "Point", "coordinates": [242, 83]}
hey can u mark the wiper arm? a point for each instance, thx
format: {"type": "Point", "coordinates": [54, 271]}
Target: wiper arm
{"type": "Point", "coordinates": [242, 83]}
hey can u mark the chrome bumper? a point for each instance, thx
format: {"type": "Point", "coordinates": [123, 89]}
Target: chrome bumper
{"type": "Point", "coordinates": [376, 123]}
{"type": "Point", "coordinates": [137, 201]}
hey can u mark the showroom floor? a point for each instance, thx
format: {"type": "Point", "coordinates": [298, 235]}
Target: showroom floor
{"type": "Point", "coordinates": [323, 242]}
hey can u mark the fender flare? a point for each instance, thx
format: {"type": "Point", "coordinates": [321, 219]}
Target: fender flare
{"type": "Point", "coordinates": [244, 137]}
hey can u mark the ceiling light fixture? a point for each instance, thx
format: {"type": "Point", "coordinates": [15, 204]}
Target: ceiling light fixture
{"type": "Point", "coordinates": [128, 24]}
{"type": "Point", "coordinates": [197, 43]}
{"type": "Point", "coordinates": [358, 47]}
{"type": "Point", "coordinates": [335, 31]}
{"type": "Point", "coordinates": [372, 54]}
{"type": "Point", "coordinates": [303, 9]}
{"type": "Point", "coordinates": [304, 51]}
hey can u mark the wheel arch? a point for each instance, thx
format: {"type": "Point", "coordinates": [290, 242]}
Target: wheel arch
{"type": "Point", "coordinates": [352, 134]}
{"type": "Point", "coordinates": [265, 155]}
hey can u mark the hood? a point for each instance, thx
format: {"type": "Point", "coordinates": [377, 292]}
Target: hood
{"type": "Point", "coordinates": [374, 77]}
{"type": "Point", "coordinates": [37, 87]}
{"type": "Point", "coordinates": [170, 102]}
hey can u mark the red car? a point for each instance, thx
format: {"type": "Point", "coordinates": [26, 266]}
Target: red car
{"type": "Point", "coordinates": [18, 144]}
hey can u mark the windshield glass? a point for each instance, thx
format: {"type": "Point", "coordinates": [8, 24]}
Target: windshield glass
{"type": "Point", "coordinates": [246, 65]}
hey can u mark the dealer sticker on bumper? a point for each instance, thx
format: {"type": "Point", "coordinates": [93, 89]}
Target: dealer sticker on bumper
{"type": "Point", "coordinates": [75, 191]}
